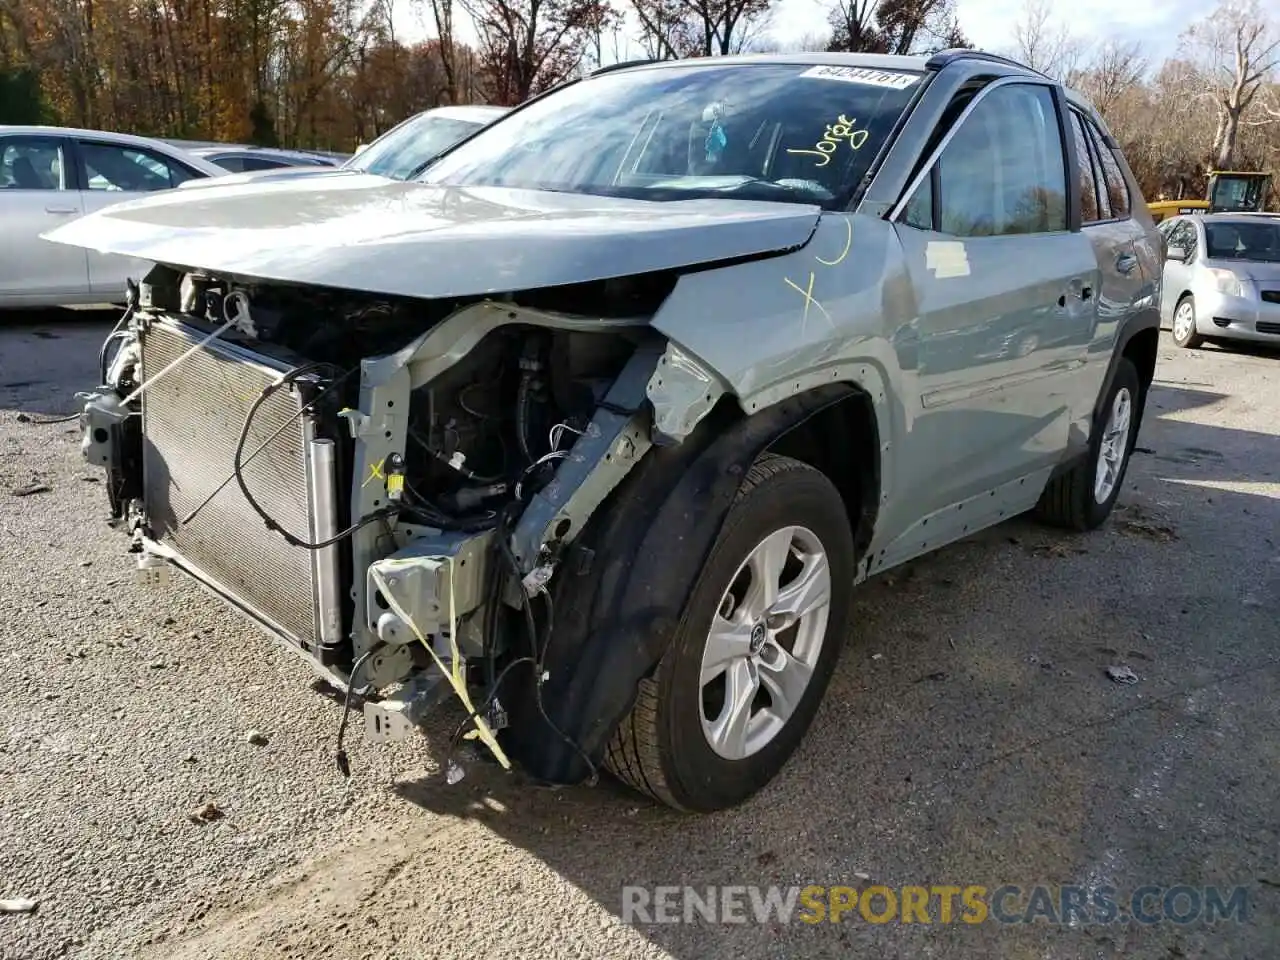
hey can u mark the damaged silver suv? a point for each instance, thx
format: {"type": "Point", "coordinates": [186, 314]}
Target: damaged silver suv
{"type": "Point", "coordinates": [598, 424]}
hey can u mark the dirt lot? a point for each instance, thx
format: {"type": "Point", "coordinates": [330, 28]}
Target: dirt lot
{"type": "Point", "coordinates": [971, 736]}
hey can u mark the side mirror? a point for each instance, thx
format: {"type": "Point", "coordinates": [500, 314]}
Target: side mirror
{"type": "Point", "coordinates": [1176, 253]}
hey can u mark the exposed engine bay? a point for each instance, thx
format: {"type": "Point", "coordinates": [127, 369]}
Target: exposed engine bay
{"type": "Point", "coordinates": [385, 485]}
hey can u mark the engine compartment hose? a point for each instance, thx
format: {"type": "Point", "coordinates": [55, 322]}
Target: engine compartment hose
{"type": "Point", "coordinates": [453, 672]}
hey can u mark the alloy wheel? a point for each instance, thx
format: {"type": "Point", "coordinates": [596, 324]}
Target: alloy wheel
{"type": "Point", "coordinates": [764, 642]}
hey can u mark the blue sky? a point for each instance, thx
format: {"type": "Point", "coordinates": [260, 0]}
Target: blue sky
{"type": "Point", "coordinates": [989, 24]}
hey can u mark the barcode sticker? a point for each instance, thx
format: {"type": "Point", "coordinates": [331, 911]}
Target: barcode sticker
{"type": "Point", "coordinates": [875, 78]}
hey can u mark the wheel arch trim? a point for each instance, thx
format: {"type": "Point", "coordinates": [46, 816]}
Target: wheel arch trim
{"type": "Point", "coordinates": [624, 585]}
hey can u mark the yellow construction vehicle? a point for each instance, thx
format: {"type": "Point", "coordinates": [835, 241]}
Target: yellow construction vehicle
{"type": "Point", "coordinates": [1229, 191]}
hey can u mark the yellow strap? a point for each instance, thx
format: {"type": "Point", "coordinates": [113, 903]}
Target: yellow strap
{"type": "Point", "coordinates": [453, 673]}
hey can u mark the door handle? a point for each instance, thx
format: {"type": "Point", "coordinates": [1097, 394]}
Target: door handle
{"type": "Point", "coordinates": [61, 210]}
{"type": "Point", "coordinates": [1126, 262]}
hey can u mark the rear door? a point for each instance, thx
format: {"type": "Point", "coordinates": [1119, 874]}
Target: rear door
{"type": "Point", "coordinates": [1106, 218]}
{"type": "Point", "coordinates": [1003, 287]}
{"type": "Point", "coordinates": [37, 195]}
{"type": "Point", "coordinates": [112, 173]}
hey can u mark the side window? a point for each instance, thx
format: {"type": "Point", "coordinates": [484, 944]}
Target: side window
{"type": "Point", "coordinates": [1190, 239]}
{"type": "Point", "coordinates": [128, 169]}
{"type": "Point", "coordinates": [919, 210]}
{"type": "Point", "coordinates": [1117, 189]}
{"type": "Point", "coordinates": [259, 163]}
{"type": "Point", "coordinates": [32, 163]}
{"type": "Point", "coordinates": [1183, 235]}
{"type": "Point", "coordinates": [1089, 209]}
{"type": "Point", "coordinates": [1003, 172]}
{"type": "Point", "coordinates": [234, 164]}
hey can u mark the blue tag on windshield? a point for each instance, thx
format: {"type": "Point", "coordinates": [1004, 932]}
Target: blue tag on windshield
{"type": "Point", "coordinates": [716, 142]}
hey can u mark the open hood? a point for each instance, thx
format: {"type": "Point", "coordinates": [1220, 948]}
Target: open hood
{"type": "Point", "coordinates": [367, 233]}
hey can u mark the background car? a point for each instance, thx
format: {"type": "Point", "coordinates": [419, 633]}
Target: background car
{"type": "Point", "coordinates": [1222, 278]}
{"type": "Point", "coordinates": [406, 148]}
{"type": "Point", "coordinates": [49, 175]}
{"type": "Point", "coordinates": [245, 159]}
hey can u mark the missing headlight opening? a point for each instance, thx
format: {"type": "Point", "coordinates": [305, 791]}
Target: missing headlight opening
{"type": "Point", "coordinates": [387, 485]}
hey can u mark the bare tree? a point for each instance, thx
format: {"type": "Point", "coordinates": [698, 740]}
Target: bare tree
{"type": "Point", "coordinates": [809, 42]}
{"type": "Point", "coordinates": [1115, 70]}
{"type": "Point", "coordinates": [1238, 48]}
{"type": "Point", "coordinates": [666, 29]}
{"type": "Point", "coordinates": [529, 46]}
{"type": "Point", "coordinates": [1046, 45]}
{"type": "Point", "coordinates": [894, 26]}
{"type": "Point", "coordinates": [606, 43]}
{"type": "Point", "coordinates": [671, 29]}
{"type": "Point", "coordinates": [442, 15]}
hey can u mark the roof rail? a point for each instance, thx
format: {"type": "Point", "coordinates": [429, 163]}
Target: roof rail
{"type": "Point", "coordinates": [622, 65]}
{"type": "Point", "coordinates": [945, 58]}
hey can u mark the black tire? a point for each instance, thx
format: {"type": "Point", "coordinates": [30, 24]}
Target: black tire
{"type": "Point", "coordinates": [660, 748]}
{"type": "Point", "coordinates": [1069, 500]}
{"type": "Point", "coordinates": [1191, 340]}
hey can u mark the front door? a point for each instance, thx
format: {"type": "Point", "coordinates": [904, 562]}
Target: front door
{"type": "Point", "coordinates": [112, 173]}
{"type": "Point", "coordinates": [1004, 291]}
{"type": "Point", "coordinates": [34, 199]}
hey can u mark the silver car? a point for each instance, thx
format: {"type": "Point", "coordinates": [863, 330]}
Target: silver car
{"type": "Point", "coordinates": [243, 159]}
{"type": "Point", "coordinates": [1222, 278]}
{"type": "Point", "coordinates": [50, 175]}
{"type": "Point", "coordinates": [599, 422]}
{"type": "Point", "coordinates": [400, 153]}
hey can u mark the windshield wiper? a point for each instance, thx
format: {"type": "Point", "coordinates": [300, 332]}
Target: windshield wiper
{"type": "Point", "coordinates": [421, 168]}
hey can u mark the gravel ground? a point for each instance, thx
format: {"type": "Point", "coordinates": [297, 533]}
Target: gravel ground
{"type": "Point", "coordinates": [970, 736]}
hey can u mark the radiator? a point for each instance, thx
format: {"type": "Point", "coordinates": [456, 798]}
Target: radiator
{"type": "Point", "coordinates": [191, 421]}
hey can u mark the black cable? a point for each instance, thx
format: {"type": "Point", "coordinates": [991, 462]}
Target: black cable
{"type": "Point", "coordinates": [238, 469]}
{"type": "Point", "coordinates": [333, 385]}
{"type": "Point", "coordinates": [427, 511]}
{"type": "Point", "coordinates": [484, 709]}
{"type": "Point", "coordinates": [31, 419]}
{"type": "Point", "coordinates": [539, 653]}
{"type": "Point", "coordinates": [116, 332]}
{"type": "Point", "coordinates": [524, 400]}
{"type": "Point", "coordinates": [444, 458]}
{"type": "Point", "coordinates": [344, 765]}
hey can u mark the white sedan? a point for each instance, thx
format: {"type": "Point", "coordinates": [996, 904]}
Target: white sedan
{"type": "Point", "coordinates": [49, 175]}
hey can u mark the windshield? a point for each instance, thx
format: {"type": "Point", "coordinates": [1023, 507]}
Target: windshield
{"type": "Point", "coordinates": [788, 132]}
{"type": "Point", "coordinates": [1234, 193]}
{"type": "Point", "coordinates": [1242, 240]}
{"type": "Point", "coordinates": [401, 151]}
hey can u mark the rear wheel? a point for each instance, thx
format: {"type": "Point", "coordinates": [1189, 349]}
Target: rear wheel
{"type": "Point", "coordinates": [1084, 497]}
{"type": "Point", "coordinates": [1184, 324]}
{"type": "Point", "coordinates": [733, 696]}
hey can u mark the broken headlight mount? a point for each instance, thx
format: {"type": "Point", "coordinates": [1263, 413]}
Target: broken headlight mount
{"type": "Point", "coordinates": [111, 432]}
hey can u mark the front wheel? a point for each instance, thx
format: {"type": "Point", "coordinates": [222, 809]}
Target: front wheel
{"type": "Point", "coordinates": [733, 696]}
{"type": "Point", "coordinates": [1184, 324]}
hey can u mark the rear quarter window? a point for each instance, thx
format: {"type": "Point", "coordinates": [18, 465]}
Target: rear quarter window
{"type": "Point", "coordinates": [1116, 187]}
